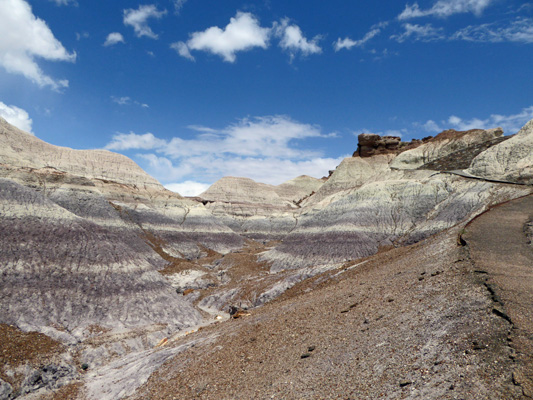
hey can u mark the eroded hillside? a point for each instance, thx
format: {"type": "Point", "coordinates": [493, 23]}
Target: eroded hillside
{"type": "Point", "coordinates": [135, 285]}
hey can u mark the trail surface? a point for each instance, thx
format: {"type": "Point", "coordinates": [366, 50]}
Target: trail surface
{"type": "Point", "coordinates": [499, 246]}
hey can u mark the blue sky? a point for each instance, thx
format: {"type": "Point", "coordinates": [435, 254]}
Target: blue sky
{"type": "Point", "coordinates": [194, 90]}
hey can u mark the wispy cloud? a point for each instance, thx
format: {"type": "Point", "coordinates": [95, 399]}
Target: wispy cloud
{"type": "Point", "coordinates": [267, 149]}
{"type": "Point", "coordinates": [114, 38]}
{"type": "Point", "coordinates": [348, 43]}
{"type": "Point", "coordinates": [446, 8]}
{"type": "Point", "coordinates": [25, 38]}
{"type": "Point", "coordinates": [510, 123]}
{"type": "Point", "coordinates": [16, 116]}
{"type": "Point", "coordinates": [65, 2]}
{"type": "Point", "coordinates": [138, 19]}
{"type": "Point", "coordinates": [241, 34]}
{"type": "Point", "coordinates": [178, 5]}
{"type": "Point", "coordinates": [520, 30]}
{"type": "Point", "coordinates": [126, 100]}
{"type": "Point", "coordinates": [424, 33]}
{"type": "Point", "coordinates": [293, 41]}
{"type": "Point", "coordinates": [82, 35]}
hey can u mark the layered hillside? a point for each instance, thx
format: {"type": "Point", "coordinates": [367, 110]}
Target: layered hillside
{"type": "Point", "coordinates": [257, 210]}
{"type": "Point", "coordinates": [83, 238]}
{"type": "Point", "coordinates": [119, 273]}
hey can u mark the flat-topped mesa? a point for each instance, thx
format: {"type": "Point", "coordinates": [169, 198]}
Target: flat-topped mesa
{"type": "Point", "coordinates": [371, 144]}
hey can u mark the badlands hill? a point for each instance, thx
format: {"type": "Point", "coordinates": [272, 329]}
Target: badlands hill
{"type": "Point", "coordinates": [376, 282]}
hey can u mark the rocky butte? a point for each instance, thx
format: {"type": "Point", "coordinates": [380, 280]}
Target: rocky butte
{"type": "Point", "coordinates": [407, 273]}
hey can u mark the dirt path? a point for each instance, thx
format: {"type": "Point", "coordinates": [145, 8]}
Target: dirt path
{"type": "Point", "coordinates": [498, 246]}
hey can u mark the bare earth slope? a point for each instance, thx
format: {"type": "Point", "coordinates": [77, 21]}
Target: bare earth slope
{"type": "Point", "coordinates": [412, 323]}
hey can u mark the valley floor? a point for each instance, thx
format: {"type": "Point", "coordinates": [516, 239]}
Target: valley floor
{"type": "Point", "coordinates": [435, 320]}
{"type": "Point", "coordinates": [447, 318]}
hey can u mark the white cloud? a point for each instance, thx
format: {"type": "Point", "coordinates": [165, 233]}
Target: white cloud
{"type": "Point", "coordinates": [65, 2]}
{"type": "Point", "coordinates": [445, 8]}
{"type": "Point", "coordinates": [125, 141]}
{"type": "Point", "coordinates": [182, 49]}
{"type": "Point", "coordinates": [510, 123]}
{"type": "Point", "coordinates": [121, 100]}
{"type": "Point", "coordinates": [178, 5]}
{"type": "Point", "coordinates": [188, 188]}
{"type": "Point", "coordinates": [138, 19]}
{"type": "Point", "coordinates": [114, 38]}
{"type": "Point", "coordinates": [264, 148]}
{"type": "Point", "coordinates": [126, 100]}
{"type": "Point", "coordinates": [241, 34]}
{"type": "Point", "coordinates": [293, 41]}
{"type": "Point", "coordinates": [520, 30]}
{"type": "Point", "coordinates": [82, 35]}
{"type": "Point", "coordinates": [431, 126]}
{"type": "Point", "coordinates": [16, 116]}
{"type": "Point", "coordinates": [424, 33]}
{"type": "Point", "coordinates": [348, 43]}
{"type": "Point", "coordinates": [24, 37]}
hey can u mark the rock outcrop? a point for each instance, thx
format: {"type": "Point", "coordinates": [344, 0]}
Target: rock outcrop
{"type": "Point", "coordinates": [511, 160]}
{"type": "Point", "coordinates": [370, 144]}
{"type": "Point", "coordinates": [443, 144]}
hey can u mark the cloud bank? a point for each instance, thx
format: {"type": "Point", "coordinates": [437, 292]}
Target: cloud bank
{"type": "Point", "coordinates": [266, 149]}
{"type": "Point", "coordinates": [510, 123]}
{"type": "Point", "coordinates": [23, 39]}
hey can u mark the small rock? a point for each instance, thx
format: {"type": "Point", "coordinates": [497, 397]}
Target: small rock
{"type": "Point", "coordinates": [305, 355]}
{"type": "Point", "coordinates": [405, 383]}
{"type": "Point", "coordinates": [311, 348]}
